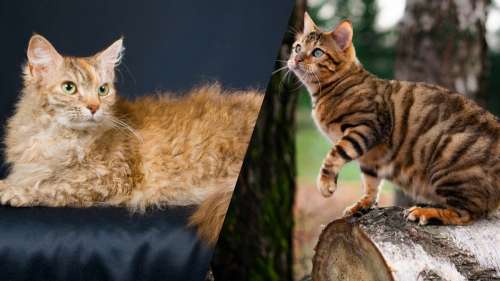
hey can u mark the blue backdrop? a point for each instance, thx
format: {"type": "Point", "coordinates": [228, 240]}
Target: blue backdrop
{"type": "Point", "coordinates": [170, 45]}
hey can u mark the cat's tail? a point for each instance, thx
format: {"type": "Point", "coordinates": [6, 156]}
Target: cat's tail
{"type": "Point", "coordinates": [210, 215]}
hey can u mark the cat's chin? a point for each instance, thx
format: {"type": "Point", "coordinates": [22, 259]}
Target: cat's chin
{"type": "Point", "coordinates": [81, 126]}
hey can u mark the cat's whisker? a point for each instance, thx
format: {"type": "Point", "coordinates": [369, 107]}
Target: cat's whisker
{"type": "Point", "coordinates": [297, 87]}
{"type": "Point", "coordinates": [128, 129]}
{"type": "Point", "coordinates": [119, 124]}
{"type": "Point", "coordinates": [281, 84]}
{"type": "Point", "coordinates": [288, 78]}
{"type": "Point", "coordinates": [297, 84]}
{"type": "Point", "coordinates": [283, 63]}
{"type": "Point", "coordinates": [129, 72]}
{"type": "Point", "coordinates": [131, 131]}
{"type": "Point", "coordinates": [292, 30]}
{"type": "Point", "coordinates": [319, 83]}
{"type": "Point", "coordinates": [121, 76]}
{"type": "Point", "coordinates": [284, 78]}
{"type": "Point", "coordinates": [279, 69]}
{"type": "Point", "coordinates": [310, 72]}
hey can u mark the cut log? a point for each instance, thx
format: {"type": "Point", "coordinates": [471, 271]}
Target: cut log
{"type": "Point", "coordinates": [382, 245]}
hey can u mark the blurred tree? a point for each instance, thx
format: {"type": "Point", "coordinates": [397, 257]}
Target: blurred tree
{"type": "Point", "coordinates": [256, 240]}
{"type": "Point", "coordinates": [443, 42]}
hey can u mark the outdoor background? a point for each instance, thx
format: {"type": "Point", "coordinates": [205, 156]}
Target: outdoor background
{"type": "Point", "coordinates": [276, 213]}
{"type": "Point", "coordinates": [376, 32]}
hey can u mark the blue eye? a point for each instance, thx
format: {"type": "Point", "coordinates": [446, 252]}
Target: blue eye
{"type": "Point", "coordinates": [297, 48]}
{"type": "Point", "coordinates": [317, 53]}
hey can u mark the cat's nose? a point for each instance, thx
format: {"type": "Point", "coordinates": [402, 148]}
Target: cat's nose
{"type": "Point", "coordinates": [299, 58]}
{"type": "Point", "coordinates": [93, 107]}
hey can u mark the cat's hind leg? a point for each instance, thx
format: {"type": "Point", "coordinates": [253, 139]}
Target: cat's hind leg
{"type": "Point", "coordinates": [371, 184]}
{"type": "Point", "coordinates": [447, 215]}
{"type": "Point", "coordinates": [465, 195]}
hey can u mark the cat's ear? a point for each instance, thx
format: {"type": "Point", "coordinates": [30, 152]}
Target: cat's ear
{"type": "Point", "coordinates": [111, 56]}
{"type": "Point", "coordinates": [343, 34]}
{"type": "Point", "coordinates": [309, 24]}
{"type": "Point", "coordinates": [42, 56]}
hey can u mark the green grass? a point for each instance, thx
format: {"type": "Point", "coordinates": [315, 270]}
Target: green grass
{"type": "Point", "coordinates": [311, 149]}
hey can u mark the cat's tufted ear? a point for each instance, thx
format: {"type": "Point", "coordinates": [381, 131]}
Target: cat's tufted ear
{"type": "Point", "coordinates": [42, 56]}
{"type": "Point", "coordinates": [111, 56]}
{"type": "Point", "coordinates": [343, 34]}
{"type": "Point", "coordinates": [309, 24]}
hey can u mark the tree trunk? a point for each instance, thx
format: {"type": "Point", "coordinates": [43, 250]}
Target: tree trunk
{"type": "Point", "coordinates": [443, 42]}
{"type": "Point", "coordinates": [382, 245]}
{"type": "Point", "coordinates": [256, 240]}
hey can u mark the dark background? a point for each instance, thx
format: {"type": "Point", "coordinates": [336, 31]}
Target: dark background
{"type": "Point", "coordinates": [170, 45]}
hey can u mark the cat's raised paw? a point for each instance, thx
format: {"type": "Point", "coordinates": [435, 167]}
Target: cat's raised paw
{"type": "Point", "coordinates": [326, 185]}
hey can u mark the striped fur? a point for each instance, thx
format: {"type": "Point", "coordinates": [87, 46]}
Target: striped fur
{"type": "Point", "coordinates": [437, 145]}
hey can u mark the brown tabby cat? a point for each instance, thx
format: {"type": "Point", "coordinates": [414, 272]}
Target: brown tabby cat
{"type": "Point", "coordinates": [74, 142]}
{"type": "Point", "coordinates": [436, 145]}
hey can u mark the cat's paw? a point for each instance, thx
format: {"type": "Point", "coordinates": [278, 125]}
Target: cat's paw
{"type": "Point", "coordinates": [14, 198]}
{"type": "Point", "coordinates": [361, 207]}
{"type": "Point", "coordinates": [326, 185]}
{"type": "Point", "coordinates": [422, 215]}
{"type": "Point", "coordinates": [430, 215]}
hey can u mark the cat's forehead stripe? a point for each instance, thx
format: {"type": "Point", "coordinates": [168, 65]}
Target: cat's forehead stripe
{"type": "Point", "coordinates": [86, 66]}
{"type": "Point", "coordinates": [75, 70]}
{"type": "Point", "coordinates": [83, 69]}
{"type": "Point", "coordinates": [313, 37]}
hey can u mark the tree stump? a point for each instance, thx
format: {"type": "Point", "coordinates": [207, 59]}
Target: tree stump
{"type": "Point", "coordinates": [382, 245]}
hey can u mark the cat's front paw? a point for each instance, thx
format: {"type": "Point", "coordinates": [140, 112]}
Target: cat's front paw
{"type": "Point", "coordinates": [361, 207]}
{"type": "Point", "coordinates": [326, 185]}
{"type": "Point", "coordinates": [13, 197]}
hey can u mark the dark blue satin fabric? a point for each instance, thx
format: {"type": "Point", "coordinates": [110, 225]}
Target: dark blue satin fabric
{"type": "Point", "coordinates": [100, 244]}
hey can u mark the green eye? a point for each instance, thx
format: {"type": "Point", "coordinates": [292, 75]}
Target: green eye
{"type": "Point", "coordinates": [68, 88]}
{"type": "Point", "coordinates": [317, 53]}
{"type": "Point", "coordinates": [103, 90]}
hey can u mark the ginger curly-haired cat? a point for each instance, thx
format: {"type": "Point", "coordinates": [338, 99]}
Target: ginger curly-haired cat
{"type": "Point", "coordinates": [437, 145]}
{"type": "Point", "coordinates": [74, 142]}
